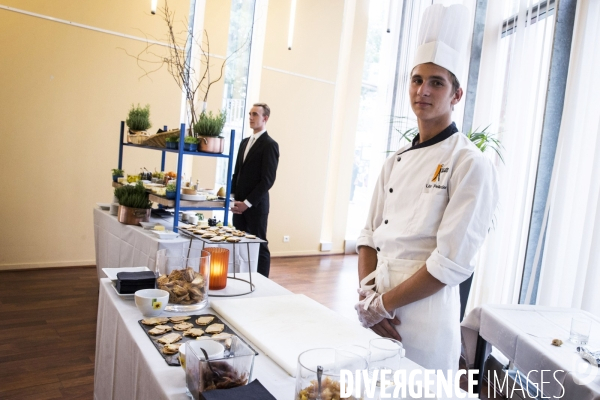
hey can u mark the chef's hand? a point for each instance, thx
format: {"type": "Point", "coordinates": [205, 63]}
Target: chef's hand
{"type": "Point", "coordinates": [386, 328]}
{"type": "Point", "coordinates": [376, 316]}
{"type": "Point", "coordinates": [238, 207]}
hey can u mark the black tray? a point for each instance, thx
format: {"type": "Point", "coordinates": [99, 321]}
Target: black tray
{"type": "Point", "coordinates": [173, 359]}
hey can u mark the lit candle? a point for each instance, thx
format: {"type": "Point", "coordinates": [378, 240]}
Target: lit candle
{"type": "Point", "coordinates": [219, 265]}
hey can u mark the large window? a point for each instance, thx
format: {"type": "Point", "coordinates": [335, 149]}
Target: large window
{"type": "Point", "coordinates": [511, 99]}
{"type": "Point", "coordinates": [383, 97]}
{"type": "Point", "coordinates": [236, 77]}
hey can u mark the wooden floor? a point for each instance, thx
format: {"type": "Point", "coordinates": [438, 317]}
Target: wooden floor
{"type": "Point", "coordinates": [48, 321]}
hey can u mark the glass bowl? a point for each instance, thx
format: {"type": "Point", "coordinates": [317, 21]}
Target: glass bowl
{"type": "Point", "coordinates": [232, 369]}
{"type": "Point", "coordinates": [332, 361]}
{"type": "Point", "coordinates": [186, 279]}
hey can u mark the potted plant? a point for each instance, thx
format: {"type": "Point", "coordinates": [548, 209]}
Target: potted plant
{"type": "Point", "coordinates": [134, 205]}
{"type": "Point", "coordinates": [138, 122]}
{"type": "Point", "coordinates": [208, 129]}
{"type": "Point", "coordinates": [117, 173]}
{"type": "Point", "coordinates": [171, 190]}
{"type": "Point", "coordinates": [172, 142]}
{"type": "Point", "coordinates": [190, 143]}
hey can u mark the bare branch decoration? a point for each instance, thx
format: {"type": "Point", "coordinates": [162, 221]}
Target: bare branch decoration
{"type": "Point", "coordinates": [173, 57]}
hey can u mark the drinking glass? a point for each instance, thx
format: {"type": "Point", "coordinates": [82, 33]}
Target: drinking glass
{"type": "Point", "coordinates": [580, 330]}
{"type": "Point", "coordinates": [385, 355]}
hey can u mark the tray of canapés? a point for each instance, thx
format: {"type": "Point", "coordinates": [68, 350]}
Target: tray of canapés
{"type": "Point", "coordinates": [169, 333]}
{"type": "Point", "coordinates": [218, 234]}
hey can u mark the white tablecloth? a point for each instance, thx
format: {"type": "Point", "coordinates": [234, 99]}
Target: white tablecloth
{"type": "Point", "coordinates": [524, 335]}
{"type": "Point", "coordinates": [128, 366]}
{"type": "Point", "coordinates": [119, 246]}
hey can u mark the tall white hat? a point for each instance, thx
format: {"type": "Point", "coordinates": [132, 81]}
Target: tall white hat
{"type": "Point", "coordinates": [443, 37]}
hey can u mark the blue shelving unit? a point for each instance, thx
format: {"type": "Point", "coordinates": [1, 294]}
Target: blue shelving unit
{"type": "Point", "coordinates": [180, 153]}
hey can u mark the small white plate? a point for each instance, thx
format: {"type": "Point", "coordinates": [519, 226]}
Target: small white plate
{"type": "Point", "coordinates": [193, 197]}
{"type": "Point", "coordinates": [148, 225]}
{"type": "Point", "coordinates": [165, 235]}
{"type": "Point", "coordinates": [104, 206]}
{"type": "Point", "coordinates": [111, 273]}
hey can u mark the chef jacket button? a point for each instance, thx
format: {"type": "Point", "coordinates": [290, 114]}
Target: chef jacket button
{"type": "Point", "coordinates": [378, 249]}
{"type": "Point", "coordinates": [386, 221]}
{"type": "Point", "coordinates": [399, 158]}
{"type": "Point", "coordinates": [391, 190]}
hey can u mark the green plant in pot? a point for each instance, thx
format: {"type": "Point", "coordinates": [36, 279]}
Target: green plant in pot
{"type": "Point", "coordinates": [117, 173]}
{"type": "Point", "coordinates": [172, 142]}
{"type": "Point", "coordinates": [171, 190]}
{"type": "Point", "coordinates": [190, 143]}
{"type": "Point", "coordinates": [208, 129]}
{"type": "Point", "coordinates": [138, 119]}
{"type": "Point", "coordinates": [134, 205]}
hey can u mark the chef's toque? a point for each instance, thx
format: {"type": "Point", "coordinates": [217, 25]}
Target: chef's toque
{"type": "Point", "coordinates": [443, 37]}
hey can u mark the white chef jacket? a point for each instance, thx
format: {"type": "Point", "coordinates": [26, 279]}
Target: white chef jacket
{"type": "Point", "coordinates": [433, 204]}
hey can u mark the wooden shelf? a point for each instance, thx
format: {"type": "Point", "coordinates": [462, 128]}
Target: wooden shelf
{"type": "Point", "coordinates": [163, 201]}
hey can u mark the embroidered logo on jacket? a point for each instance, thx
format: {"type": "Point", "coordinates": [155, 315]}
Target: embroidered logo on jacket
{"type": "Point", "coordinates": [438, 172]}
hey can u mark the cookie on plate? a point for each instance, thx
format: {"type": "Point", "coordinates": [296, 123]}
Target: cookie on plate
{"type": "Point", "coordinates": [214, 328]}
{"type": "Point", "coordinates": [155, 321]}
{"type": "Point", "coordinates": [171, 348]}
{"type": "Point", "coordinates": [177, 320]}
{"type": "Point", "coordinates": [184, 326]}
{"type": "Point", "coordinates": [170, 338]}
{"type": "Point", "coordinates": [193, 332]}
{"type": "Point", "coordinates": [205, 320]}
{"type": "Point", "coordinates": [159, 329]}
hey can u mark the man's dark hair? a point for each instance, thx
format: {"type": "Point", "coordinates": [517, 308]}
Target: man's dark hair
{"type": "Point", "coordinates": [455, 82]}
{"type": "Point", "coordinates": [265, 107]}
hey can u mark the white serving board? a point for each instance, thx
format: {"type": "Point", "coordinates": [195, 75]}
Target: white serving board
{"type": "Point", "coordinates": [284, 326]}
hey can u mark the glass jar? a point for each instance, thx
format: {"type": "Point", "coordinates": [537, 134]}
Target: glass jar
{"type": "Point", "coordinates": [186, 279]}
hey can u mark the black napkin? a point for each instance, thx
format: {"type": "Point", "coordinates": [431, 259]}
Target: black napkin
{"type": "Point", "coordinates": [252, 391]}
{"type": "Point", "coordinates": [130, 282]}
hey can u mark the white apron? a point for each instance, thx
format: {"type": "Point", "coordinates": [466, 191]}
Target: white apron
{"type": "Point", "coordinates": [429, 327]}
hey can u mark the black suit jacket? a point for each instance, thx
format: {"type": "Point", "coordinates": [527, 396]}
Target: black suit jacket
{"type": "Point", "coordinates": [253, 177]}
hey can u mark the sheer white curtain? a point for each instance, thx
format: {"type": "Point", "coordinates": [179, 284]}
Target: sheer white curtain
{"type": "Point", "coordinates": [511, 97]}
{"type": "Point", "coordinates": [570, 270]}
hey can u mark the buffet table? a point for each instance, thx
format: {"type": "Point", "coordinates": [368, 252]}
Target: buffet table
{"type": "Point", "coordinates": [524, 334]}
{"type": "Point", "coordinates": [128, 366]}
{"type": "Point", "coordinates": [119, 245]}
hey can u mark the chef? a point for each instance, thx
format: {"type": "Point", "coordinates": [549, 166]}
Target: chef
{"type": "Point", "coordinates": [431, 209]}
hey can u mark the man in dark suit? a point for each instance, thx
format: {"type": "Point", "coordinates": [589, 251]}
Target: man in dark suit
{"type": "Point", "coordinates": [254, 174]}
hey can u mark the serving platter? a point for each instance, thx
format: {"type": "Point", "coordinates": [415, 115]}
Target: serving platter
{"type": "Point", "coordinates": [173, 359]}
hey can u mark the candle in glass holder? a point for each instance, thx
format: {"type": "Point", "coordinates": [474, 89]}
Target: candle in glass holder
{"type": "Point", "coordinates": [219, 264]}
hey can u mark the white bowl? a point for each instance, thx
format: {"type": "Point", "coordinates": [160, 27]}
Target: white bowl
{"type": "Point", "coordinates": [213, 348]}
{"type": "Point", "coordinates": [151, 302]}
